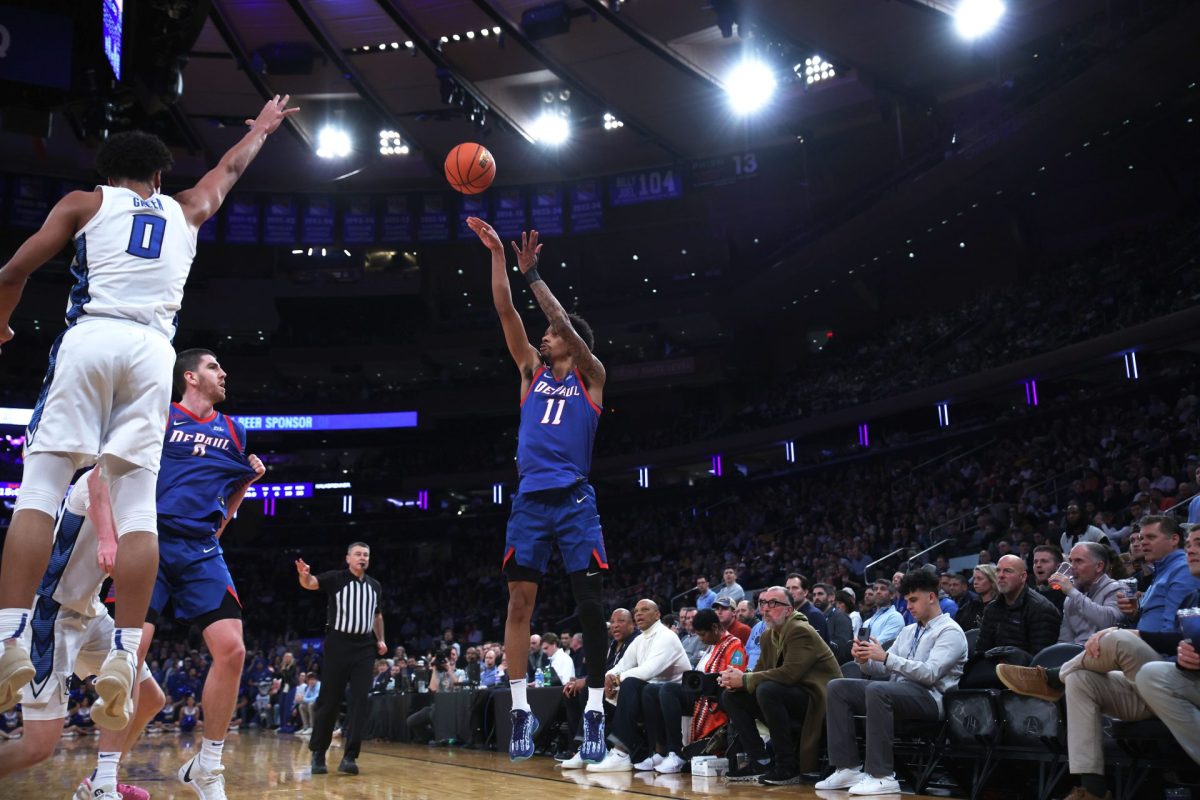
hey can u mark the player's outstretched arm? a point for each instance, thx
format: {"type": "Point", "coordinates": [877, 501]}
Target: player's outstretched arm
{"type": "Point", "coordinates": [525, 354]}
{"type": "Point", "coordinates": [307, 580]}
{"type": "Point", "coordinates": [100, 515]}
{"type": "Point", "coordinates": [202, 201]}
{"type": "Point", "coordinates": [527, 260]}
{"type": "Point", "coordinates": [65, 219]}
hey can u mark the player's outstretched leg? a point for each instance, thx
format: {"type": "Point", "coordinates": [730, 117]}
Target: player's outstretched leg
{"type": "Point", "coordinates": [204, 773]}
{"type": "Point", "coordinates": [586, 585]}
{"type": "Point", "coordinates": [521, 597]}
{"type": "Point", "coordinates": [27, 548]}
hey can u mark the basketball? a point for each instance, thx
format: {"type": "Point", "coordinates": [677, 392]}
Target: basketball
{"type": "Point", "coordinates": [470, 168]}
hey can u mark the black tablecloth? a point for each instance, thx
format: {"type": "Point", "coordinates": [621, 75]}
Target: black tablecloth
{"type": "Point", "coordinates": [452, 715]}
{"type": "Point", "coordinates": [388, 715]}
{"type": "Point", "coordinates": [545, 703]}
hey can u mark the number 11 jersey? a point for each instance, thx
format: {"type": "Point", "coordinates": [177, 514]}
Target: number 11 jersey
{"type": "Point", "coordinates": [558, 427]}
{"type": "Point", "coordinates": [131, 261]}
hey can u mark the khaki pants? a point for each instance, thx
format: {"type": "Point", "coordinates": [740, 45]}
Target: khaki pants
{"type": "Point", "coordinates": [1174, 697]}
{"type": "Point", "coordinates": [306, 715]}
{"type": "Point", "coordinates": [1103, 686]}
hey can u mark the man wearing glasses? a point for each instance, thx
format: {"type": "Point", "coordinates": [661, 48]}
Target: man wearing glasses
{"type": "Point", "coordinates": [788, 683]}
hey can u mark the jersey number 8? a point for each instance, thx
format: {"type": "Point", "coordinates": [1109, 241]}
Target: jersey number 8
{"type": "Point", "coordinates": [145, 240]}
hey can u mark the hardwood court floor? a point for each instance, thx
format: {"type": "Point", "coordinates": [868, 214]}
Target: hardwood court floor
{"type": "Point", "coordinates": [266, 765]}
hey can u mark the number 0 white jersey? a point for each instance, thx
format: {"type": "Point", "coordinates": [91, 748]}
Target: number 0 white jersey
{"type": "Point", "coordinates": [132, 260]}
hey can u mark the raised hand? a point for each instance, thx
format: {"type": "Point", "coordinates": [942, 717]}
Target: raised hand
{"type": "Point", "coordinates": [486, 233]}
{"type": "Point", "coordinates": [257, 465]}
{"type": "Point", "coordinates": [272, 115]}
{"type": "Point", "coordinates": [528, 251]}
{"type": "Point", "coordinates": [302, 568]}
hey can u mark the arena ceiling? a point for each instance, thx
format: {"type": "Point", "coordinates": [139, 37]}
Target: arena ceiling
{"type": "Point", "coordinates": [440, 72]}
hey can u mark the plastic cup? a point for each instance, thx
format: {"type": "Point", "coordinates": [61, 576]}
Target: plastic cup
{"type": "Point", "coordinates": [1067, 571]}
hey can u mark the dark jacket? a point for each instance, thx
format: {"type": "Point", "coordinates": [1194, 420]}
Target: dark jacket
{"type": "Point", "coordinates": [970, 612]}
{"type": "Point", "coordinates": [1030, 624]}
{"type": "Point", "coordinates": [816, 619]}
{"type": "Point", "coordinates": [796, 655]}
{"type": "Point", "coordinates": [841, 632]}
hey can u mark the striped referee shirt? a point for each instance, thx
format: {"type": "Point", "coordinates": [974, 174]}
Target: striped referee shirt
{"type": "Point", "coordinates": [353, 602]}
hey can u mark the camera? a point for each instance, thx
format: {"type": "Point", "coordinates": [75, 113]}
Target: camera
{"type": "Point", "coordinates": [702, 683]}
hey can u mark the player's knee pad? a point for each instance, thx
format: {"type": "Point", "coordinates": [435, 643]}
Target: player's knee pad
{"type": "Point", "coordinates": [44, 482]}
{"type": "Point", "coordinates": [134, 497]}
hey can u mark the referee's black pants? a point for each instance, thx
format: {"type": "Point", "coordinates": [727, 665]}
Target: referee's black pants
{"type": "Point", "coordinates": [348, 659]}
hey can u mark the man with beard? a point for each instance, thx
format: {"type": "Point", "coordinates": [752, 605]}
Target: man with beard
{"type": "Point", "coordinates": [788, 684]}
{"type": "Point", "coordinates": [729, 621]}
{"type": "Point", "coordinates": [841, 630]}
{"type": "Point", "coordinates": [1046, 559]}
{"type": "Point", "coordinates": [1076, 529]}
{"type": "Point", "coordinates": [746, 615]}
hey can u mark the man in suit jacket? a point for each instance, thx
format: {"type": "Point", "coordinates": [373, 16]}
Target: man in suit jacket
{"type": "Point", "coordinates": [841, 630]}
{"type": "Point", "coordinates": [788, 683]}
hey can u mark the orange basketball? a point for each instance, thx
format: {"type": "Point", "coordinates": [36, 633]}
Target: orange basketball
{"type": "Point", "coordinates": [470, 168]}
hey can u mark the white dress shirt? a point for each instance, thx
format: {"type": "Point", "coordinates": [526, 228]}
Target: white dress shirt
{"type": "Point", "coordinates": [656, 656]}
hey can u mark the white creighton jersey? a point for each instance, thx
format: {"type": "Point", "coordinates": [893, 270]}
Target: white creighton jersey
{"type": "Point", "coordinates": [73, 576]}
{"type": "Point", "coordinates": [132, 260]}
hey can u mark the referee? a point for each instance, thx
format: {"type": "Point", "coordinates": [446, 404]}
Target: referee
{"type": "Point", "coordinates": [354, 633]}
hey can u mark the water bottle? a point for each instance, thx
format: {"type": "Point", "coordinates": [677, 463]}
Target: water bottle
{"type": "Point", "coordinates": [537, 678]}
{"type": "Point", "coordinates": [547, 680]}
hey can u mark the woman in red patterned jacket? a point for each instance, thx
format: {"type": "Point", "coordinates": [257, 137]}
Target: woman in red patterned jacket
{"type": "Point", "coordinates": [664, 704]}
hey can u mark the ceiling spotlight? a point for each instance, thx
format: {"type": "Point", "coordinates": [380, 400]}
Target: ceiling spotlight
{"type": "Point", "coordinates": [975, 18]}
{"type": "Point", "coordinates": [390, 144]}
{"type": "Point", "coordinates": [408, 44]}
{"type": "Point", "coordinates": [750, 86]}
{"type": "Point", "coordinates": [551, 129]}
{"type": "Point", "coordinates": [611, 123]}
{"type": "Point", "coordinates": [496, 30]}
{"type": "Point", "coordinates": [456, 37]}
{"type": "Point", "coordinates": [333, 143]}
{"type": "Point", "coordinates": [470, 34]}
{"type": "Point", "coordinates": [484, 31]}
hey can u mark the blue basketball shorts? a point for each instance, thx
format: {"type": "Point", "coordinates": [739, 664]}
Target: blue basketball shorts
{"type": "Point", "coordinates": [191, 574]}
{"type": "Point", "coordinates": [565, 516]}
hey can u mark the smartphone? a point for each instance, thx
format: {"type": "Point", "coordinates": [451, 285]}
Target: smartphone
{"type": "Point", "coordinates": [864, 634]}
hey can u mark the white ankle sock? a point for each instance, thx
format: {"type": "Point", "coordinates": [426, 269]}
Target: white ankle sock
{"type": "Point", "coordinates": [210, 754]}
{"type": "Point", "coordinates": [106, 769]}
{"type": "Point", "coordinates": [595, 701]}
{"type": "Point", "coordinates": [520, 695]}
{"type": "Point", "coordinates": [128, 639]}
{"type": "Point", "coordinates": [13, 622]}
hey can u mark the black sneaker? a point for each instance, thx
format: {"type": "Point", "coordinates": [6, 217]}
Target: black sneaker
{"type": "Point", "coordinates": [778, 776]}
{"type": "Point", "coordinates": [747, 774]}
{"type": "Point", "coordinates": [318, 764]}
{"type": "Point", "coordinates": [348, 766]}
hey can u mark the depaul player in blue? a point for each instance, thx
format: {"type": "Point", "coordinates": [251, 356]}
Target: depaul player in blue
{"type": "Point", "coordinates": [562, 392]}
{"type": "Point", "coordinates": [204, 476]}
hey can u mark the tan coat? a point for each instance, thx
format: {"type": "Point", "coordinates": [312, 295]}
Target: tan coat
{"type": "Point", "coordinates": [796, 655]}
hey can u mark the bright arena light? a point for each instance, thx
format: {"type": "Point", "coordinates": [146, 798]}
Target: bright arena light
{"type": "Point", "coordinates": [551, 129]}
{"type": "Point", "coordinates": [333, 143]}
{"type": "Point", "coordinates": [975, 18]}
{"type": "Point", "coordinates": [750, 86]}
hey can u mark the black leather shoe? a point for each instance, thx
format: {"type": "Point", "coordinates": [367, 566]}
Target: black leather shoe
{"type": "Point", "coordinates": [348, 766]}
{"type": "Point", "coordinates": [318, 764]}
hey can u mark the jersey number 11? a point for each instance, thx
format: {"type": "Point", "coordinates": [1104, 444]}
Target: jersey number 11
{"type": "Point", "coordinates": [550, 409]}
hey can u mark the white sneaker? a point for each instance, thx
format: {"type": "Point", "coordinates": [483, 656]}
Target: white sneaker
{"type": "Point", "coordinates": [206, 785]}
{"type": "Point", "coordinates": [842, 779]}
{"type": "Point", "coordinates": [671, 764]}
{"type": "Point", "coordinates": [648, 764]}
{"type": "Point", "coordinates": [86, 791]}
{"type": "Point", "coordinates": [114, 685]}
{"type": "Point", "coordinates": [614, 761]}
{"type": "Point", "coordinates": [871, 785]}
{"type": "Point", "coordinates": [16, 670]}
{"type": "Point", "coordinates": [574, 762]}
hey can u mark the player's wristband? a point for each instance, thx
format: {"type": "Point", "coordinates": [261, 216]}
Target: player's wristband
{"type": "Point", "coordinates": [532, 276]}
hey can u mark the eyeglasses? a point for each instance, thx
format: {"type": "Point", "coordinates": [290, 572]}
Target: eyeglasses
{"type": "Point", "coordinates": [772, 604]}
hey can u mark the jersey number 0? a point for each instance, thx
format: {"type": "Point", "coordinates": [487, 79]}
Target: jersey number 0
{"type": "Point", "coordinates": [145, 240]}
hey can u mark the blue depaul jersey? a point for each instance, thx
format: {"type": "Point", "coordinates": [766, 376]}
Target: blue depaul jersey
{"type": "Point", "coordinates": [203, 463]}
{"type": "Point", "coordinates": [558, 427]}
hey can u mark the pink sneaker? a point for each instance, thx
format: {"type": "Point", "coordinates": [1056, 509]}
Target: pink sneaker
{"type": "Point", "coordinates": [128, 792]}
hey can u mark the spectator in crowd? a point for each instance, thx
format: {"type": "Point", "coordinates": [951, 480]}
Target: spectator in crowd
{"type": "Point", "coordinates": [1076, 529]}
{"type": "Point", "coordinates": [576, 652]}
{"type": "Point", "coordinates": [621, 632]}
{"type": "Point", "coordinates": [490, 674]}
{"type": "Point", "coordinates": [472, 669]}
{"type": "Point", "coordinates": [312, 689]}
{"type": "Point", "coordinates": [723, 605]}
{"type": "Point", "coordinates": [1046, 559]}
{"type": "Point", "coordinates": [947, 605]}
{"type": "Point", "coordinates": [704, 595]}
{"type": "Point", "coordinates": [666, 702]}
{"type": "Point", "coordinates": [1121, 673]}
{"type": "Point", "coordinates": [381, 678]}
{"type": "Point", "coordinates": [797, 586]}
{"type": "Point", "coordinates": [731, 588]}
{"type": "Point", "coordinates": [1160, 542]}
{"type": "Point", "coordinates": [841, 629]}
{"type": "Point", "coordinates": [288, 681]}
{"type": "Point", "coordinates": [692, 645]}
{"type": "Point", "coordinates": [983, 581]}
{"type": "Point", "coordinates": [655, 656]}
{"type": "Point", "coordinates": [1016, 625]}
{"type": "Point", "coordinates": [856, 561]}
{"type": "Point", "coordinates": [846, 602]}
{"type": "Point", "coordinates": [1090, 596]}
{"type": "Point", "coordinates": [1193, 513]}
{"type": "Point", "coordinates": [885, 623]}
{"type": "Point", "coordinates": [747, 616]}
{"type": "Point", "coordinates": [788, 684]}
{"type": "Point", "coordinates": [561, 666]}
{"type": "Point", "coordinates": [925, 662]}
{"type": "Point", "coordinates": [537, 656]}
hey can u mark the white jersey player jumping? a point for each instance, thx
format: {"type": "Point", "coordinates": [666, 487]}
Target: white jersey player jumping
{"type": "Point", "coordinates": [108, 389]}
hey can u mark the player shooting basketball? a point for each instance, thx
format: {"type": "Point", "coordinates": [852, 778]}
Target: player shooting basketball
{"type": "Point", "coordinates": [562, 391]}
